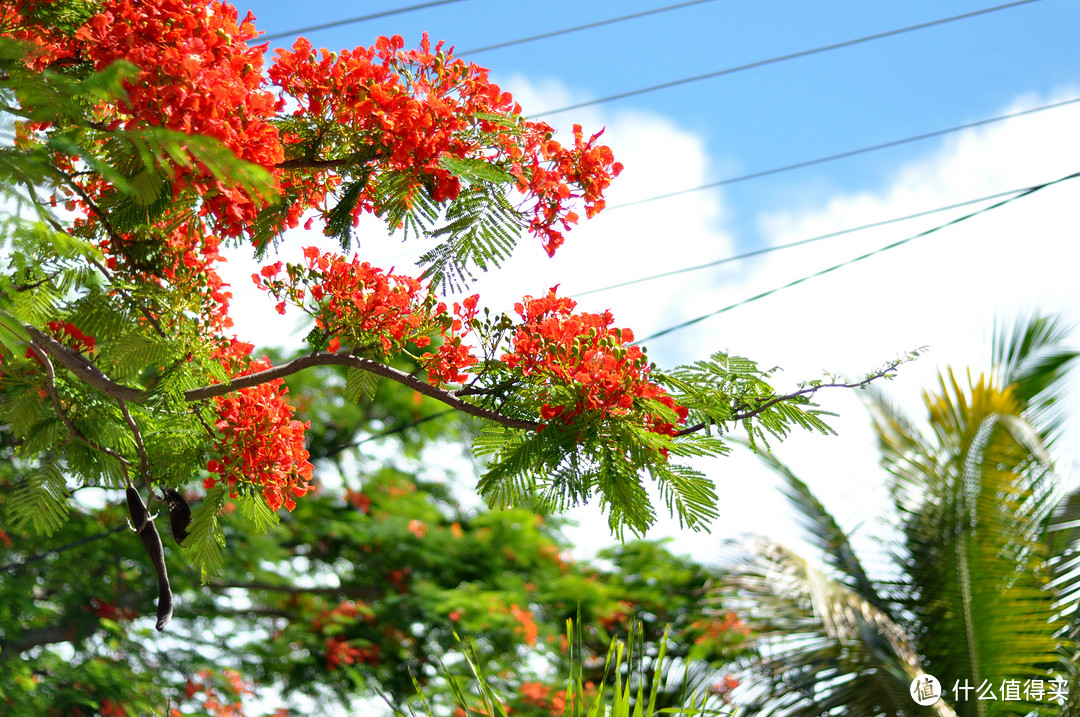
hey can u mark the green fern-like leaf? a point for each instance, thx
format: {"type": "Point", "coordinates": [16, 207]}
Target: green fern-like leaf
{"type": "Point", "coordinates": [205, 543]}
{"type": "Point", "coordinates": [339, 223]}
{"type": "Point", "coordinates": [476, 171]}
{"type": "Point", "coordinates": [360, 386]}
{"type": "Point", "coordinates": [403, 204]}
{"type": "Point", "coordinates": [40, 504]}
{"type": "Point", "coordinates": [687, 493]}
{"type": "Point", "coordinates": [480, 230]}
{"type": "Point", "coordinates": [254, 508]}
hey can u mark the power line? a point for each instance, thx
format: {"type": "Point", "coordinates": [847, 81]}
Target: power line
{"type": "Point", "coordinates": [784, 58]}
{"type": "Point", "coordinates": [576, 28]}
{"type": "Point", "coordinates": [844, 155]}
{"type": "Point", "coordinates": [790, 284]}
{"type": "Point", "coordinates": [801, 242]}
{"type": "Point", "coordinates": [351, 20]}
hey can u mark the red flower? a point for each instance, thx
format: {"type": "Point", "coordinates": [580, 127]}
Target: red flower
{"type": "Point", "coordinates": [605, 373]}
{"type": "Point", "coordinates": [260, 442]}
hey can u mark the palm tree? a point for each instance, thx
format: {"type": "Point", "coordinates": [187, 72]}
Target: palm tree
{"type": "Point", "coordinates": [986, 560]}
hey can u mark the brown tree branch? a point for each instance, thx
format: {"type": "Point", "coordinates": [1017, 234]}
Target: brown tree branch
{"type": "Point", "coordinates": [89, 373]}
{"type": "Point", "coordinates": [51, 635]}
{"type": "Point", "coordinates": [93, 376]}
{"type": "Point", "coordinates": [83, 368]}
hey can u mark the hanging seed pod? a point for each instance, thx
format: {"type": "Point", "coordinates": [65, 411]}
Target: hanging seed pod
{"type": "Point", "coordinates": [179, 514]}
{"type": "Point", "coordinates": [148, 533]}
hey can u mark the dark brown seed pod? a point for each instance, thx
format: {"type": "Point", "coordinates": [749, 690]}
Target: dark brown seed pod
{"type": "Point", "coordinates": [151, 541]}
{"type": "Point", "coordinates": [179, 514]}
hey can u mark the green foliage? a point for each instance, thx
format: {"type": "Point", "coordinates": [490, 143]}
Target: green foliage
{"type": "Point", "coordinates": [156, 336]}
{"type": "Point", "coordinates": [480, 229]}
{"type": "Point", "coordinates": [205, 543]}
{"type": "Point", "coordinates": [624, 691]}
{"type": "Point", "coordinates": [731, 388]}
{"type": "Point", "coordinates": [40, 504]}
{"type": "Point", "coordinates": [360, 386]}
{"type": "Point", "coordinates": [614, 460]}
{"type": "Point", "coordinates": [415, 565]}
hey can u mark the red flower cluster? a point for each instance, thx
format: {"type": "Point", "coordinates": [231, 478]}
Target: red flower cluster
{"type": "Point", "coordinates": [361, 305]}
{"type": "Point", "coordinates": [186, 259]}
{"type": "Point", "coordinates": [605, 375]}
{"type": "Point", "coordinates": [411, 110]}
{"type": "Point", "coordinates": [339, 651]}
{"type": "Point", "coordinates": [548, 170]}
{"type": "Point", "coordinates": [222, 693]}
{"type": "Point", "coordinates": [724, 687]}
{"type": "Point", "coordinates": [449, 363]}
{"type": "Point", "coordinates": [358, 500]}
{"type": "Point", "coordinates": [346, 612]}
{"type": "Point", "coordinates": [721, 633]}
{"type": "Point", "coordinates": [48, 44]}
{"type": "Point", "coordinates": [196, 75]}
{"type": "Point", "coordinates": [261, 443]}
{"type": "Point", "coordinates": [528, 629]}
{"type": "Point", "coordinates": [111, 610]}
{"type": "Point", "coordinates": [546, 697]}
{"type": "Point", "coordinates": [358, 304]}
{"type": "Point", "coordinates": [70, 335]}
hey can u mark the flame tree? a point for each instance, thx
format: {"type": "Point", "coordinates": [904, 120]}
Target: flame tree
{"type": "Point", "coordinates": [142, 137]}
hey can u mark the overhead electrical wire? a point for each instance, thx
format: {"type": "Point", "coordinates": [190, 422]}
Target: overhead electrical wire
{"type": "Point", "coordinates": [362, 18]}
{"type": "Point", "coordinates": [784, 58]}
{"type": "Point", "coordinates": [577, 28]}
{"type": "Point", "coordinates": [953, 222]}
{"type": "Point", "coordinates": [801, 242]}
{"type": "Point", "coordinates": [844, 155]}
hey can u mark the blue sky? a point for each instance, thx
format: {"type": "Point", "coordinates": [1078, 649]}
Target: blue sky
{"type": "Point", "coordinates": [775, 115]}
{"type": "Point", "coordinates": [941, 291]}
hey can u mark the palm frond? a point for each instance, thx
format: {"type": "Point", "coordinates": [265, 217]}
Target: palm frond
{"type": "Point", "coordinates": [821, 528]}
{"type": "Point", "coordinates": [824, 646]}
{"type": "Point", "coordinates": [1030, 356]}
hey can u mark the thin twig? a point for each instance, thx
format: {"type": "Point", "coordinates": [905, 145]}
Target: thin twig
{"type": "Point", "coordinates": [198, 414]}
{"type": "Point", "coordinates": [50, 386]}
{"type": "Point", "coordinates": [140, 447]}
{"type": "Point", "coordinates": [116, 239]}
{"type": "Point", "coordinates": [805, 391]}
{"type": "Point", "coordinates": [68, 180]}
{"type": "Point", "coordinates": [142, 309]}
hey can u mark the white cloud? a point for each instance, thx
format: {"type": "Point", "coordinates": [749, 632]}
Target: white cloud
{"type": "Point", "coordinates": [942, 290]}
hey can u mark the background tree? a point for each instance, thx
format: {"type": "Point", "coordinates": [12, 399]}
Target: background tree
{"type": "Point", "coordinates": [156, 127]}
{"type": "Point", "coordinates": [356, 590]}
{"type": "Point", "coordinates": [984, 586]}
